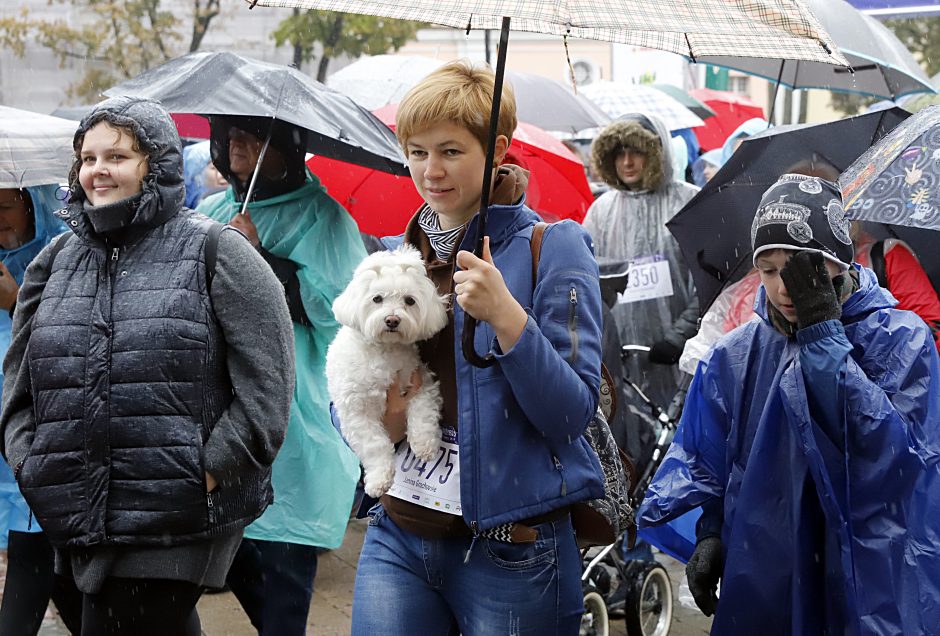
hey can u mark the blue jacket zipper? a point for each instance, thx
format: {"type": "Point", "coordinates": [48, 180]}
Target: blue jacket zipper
{"type": "Point", "coordinates": [573, 323]}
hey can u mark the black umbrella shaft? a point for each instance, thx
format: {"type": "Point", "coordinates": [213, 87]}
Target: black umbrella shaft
{"type": "Point", "coordinates": [470, 323]}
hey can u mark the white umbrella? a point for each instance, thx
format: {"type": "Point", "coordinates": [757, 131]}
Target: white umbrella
{"type": "Point", "coordinates": [35, 149]}
{"type": "Point", "coordinates": [379, 80]}
{"type": "Point", "coordinates": [619, 98]}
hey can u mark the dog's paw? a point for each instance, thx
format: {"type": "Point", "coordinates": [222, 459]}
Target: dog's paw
{"type": "Point", "coordinates": [424, 447]}
{"type": "Point", "coordinates": [377, 483]}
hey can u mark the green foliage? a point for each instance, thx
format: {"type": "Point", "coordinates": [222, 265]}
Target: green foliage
{"type": "Point", "coordinates": [341, 34]}
{"type": "Point", "coordinates": [922, 38]}
{"type": "Point", "coordinates": [116, 39]}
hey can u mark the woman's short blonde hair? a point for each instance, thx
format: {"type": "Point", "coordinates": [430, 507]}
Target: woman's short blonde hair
{"type": "Point", "coordinates": [460, 93]}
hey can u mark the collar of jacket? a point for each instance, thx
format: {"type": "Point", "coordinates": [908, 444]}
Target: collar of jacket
{"type": "Point", "coordinates": [158, 204]}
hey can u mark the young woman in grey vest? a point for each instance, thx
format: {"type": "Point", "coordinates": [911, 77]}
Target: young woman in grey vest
{"type": "Point", "coordinates": [148, 384]}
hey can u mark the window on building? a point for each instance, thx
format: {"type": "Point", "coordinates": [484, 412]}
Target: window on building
{"type": "Point", "coordinates": [739, 84]}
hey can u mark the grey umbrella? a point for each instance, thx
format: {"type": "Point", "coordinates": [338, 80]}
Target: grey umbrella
{"type": "Point", "coordinates": [883, 67]}
{"type": "Point", "coordinates": [228, 84]}
{"type": "Point", "coordinates": [699, 108]}
{"type": "Point", "coordinates": [549, 105]}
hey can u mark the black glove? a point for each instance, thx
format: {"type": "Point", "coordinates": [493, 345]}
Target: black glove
{"type": "Point", "coordinates": [664, 352]}
{"type": "Point", "coordinates": [810, 288]}
{"type": "Point", "coordinates": [704, 571]}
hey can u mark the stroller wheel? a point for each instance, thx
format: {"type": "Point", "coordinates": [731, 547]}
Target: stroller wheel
{"type": "Point", "coordinates": [594, 621]}
{"type": "Point", "coordinates": [649, 606]}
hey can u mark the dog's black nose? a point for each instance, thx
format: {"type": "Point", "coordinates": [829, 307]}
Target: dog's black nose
{"type": "Point", "coordinates": [392, 322]}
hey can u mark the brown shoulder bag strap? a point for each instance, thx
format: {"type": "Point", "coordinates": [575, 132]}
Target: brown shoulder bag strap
{"type": "Point", "coordinates": [537, 233]}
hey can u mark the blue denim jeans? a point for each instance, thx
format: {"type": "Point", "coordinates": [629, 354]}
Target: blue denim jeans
{"type": "Point", "coordinates": [407, 585]}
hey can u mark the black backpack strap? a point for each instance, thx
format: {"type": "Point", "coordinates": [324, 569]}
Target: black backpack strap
{"type": "Point", "coordinates": [877, 256]}
{"type": "Point", "coordinates": [57, 246]}
{"type": "Point", "coordinates": [211, 249]}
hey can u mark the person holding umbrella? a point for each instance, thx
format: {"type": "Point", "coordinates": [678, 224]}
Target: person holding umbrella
{"type": "Point", "coordinates": [313, 246]}
{"type": "Point", "coordinates": [139, 415]}
{"type": "Point", "coordinates": [493, 550]}
{"type": "Point", "coordinates": [810, 442]}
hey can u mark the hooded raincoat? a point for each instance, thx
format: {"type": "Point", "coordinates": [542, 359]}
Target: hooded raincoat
{"type": "Point", "coordinates": [820, 453]}
{"type": "Point", "coordinates": [315, 473]}
{"type": "Point", "coordinates": [14, 513]}
{"type": "Point", "coordinates": [630, 226]}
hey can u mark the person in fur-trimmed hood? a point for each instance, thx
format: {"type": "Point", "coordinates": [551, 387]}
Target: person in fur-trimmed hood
{"type": "Point", "coordinates": [659, 307]}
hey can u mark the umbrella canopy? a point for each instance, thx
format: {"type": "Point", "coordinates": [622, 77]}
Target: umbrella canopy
{"type": "Point", "coordinates": [714, 228]}
{"type": "Point", "coordinates": [382, 204]}
{"type": "Point", "coordinates": [699, 108]}
{"type": "Point", "coordinates": [731, 110]}
{"type": "Point", "coordinates": [881, 65]}
{"type": "Point", "coordinates": [762, 28]}
{"type": "Point", "coordinates": [34, 149]}
{"type": "Point", "coordinates": [617, 99]}
{"type": "Point", "coordinates": [374, 81]}
{"type": "Point", "coordinates": [897, 180]}
{"type": "Point", "coordinates": [227, 84]}
{"type": "Point", "coordinates": [380, 80]}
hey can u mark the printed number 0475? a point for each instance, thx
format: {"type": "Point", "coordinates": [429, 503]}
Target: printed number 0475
{"type": "Point", "coordinates": [410, 462]}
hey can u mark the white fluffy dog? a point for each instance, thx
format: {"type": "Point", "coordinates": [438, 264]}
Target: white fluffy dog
{"type": "Point", "coordinates": [389, 306]}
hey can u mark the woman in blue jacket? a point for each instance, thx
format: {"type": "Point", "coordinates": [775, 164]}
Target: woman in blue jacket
{"type": "Point", "coordinates": [487, 546]}
{"type": "Point", "coordinates": [810, 442]}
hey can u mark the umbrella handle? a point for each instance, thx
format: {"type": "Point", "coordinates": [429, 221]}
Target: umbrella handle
{"type": "Point", "coordinates": [469, 322]}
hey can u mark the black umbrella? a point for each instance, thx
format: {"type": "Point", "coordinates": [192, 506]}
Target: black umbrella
{"type": "Point", "coordinates": [714, 228]}
{"type": "Point", "coordinates": [228, 84]}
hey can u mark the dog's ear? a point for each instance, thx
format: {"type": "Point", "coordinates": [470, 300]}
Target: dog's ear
{"type": "Point", "coordinates": [346, 305]}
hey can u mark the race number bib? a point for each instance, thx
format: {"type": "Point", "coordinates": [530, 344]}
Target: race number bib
{"type": "Point", "coordinates": [649, 278]}
{"type": "Point", "coordinates": [434, 484]}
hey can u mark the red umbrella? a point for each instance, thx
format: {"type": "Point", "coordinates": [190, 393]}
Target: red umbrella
{"type": "Point", "coordinates": [731, 110]}
{"type": "Point", "coordinates": [382, 203]}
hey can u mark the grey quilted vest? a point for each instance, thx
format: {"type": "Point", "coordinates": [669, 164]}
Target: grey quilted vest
{"type": "Point", "coordinates": [128, 370]}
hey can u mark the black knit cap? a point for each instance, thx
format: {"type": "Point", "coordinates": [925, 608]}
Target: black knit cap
{"type": "Point", "coordinates": [803, 213]}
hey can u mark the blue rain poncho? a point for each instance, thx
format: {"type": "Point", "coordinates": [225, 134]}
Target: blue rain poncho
{"type": "Point", "coordinates": [315, 473]}
{"type": "Point", "coordinates": [14, 513]}
{"type": "Point", "coordinates": [820, 453]}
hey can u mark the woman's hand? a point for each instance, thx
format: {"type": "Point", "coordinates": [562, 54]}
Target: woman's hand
{"type": "Point", "coordinates": [242, 223]}
{"type": "Point", "coordinates": [8, 288]}
{"type": "Point", "coordinates": [482, 293]}
{"type": "Point", "coordinates": [396, 406]}
{"type": "Point", "coordinates": [211, 483]}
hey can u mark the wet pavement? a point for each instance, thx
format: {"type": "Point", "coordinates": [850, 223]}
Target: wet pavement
{"type": "Point", "coordinates": [331, 610]}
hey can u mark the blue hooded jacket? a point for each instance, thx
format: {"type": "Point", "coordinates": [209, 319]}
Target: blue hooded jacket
{"type": "Point", "coordinates": [522, 452]}
{"type": "Point", "coordinates": [14, 513]}
{"type": "Point", "coordinates": [820, 452]}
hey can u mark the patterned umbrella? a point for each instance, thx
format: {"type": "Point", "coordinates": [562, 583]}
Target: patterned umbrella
{"type": "Point", "coordinates": [34, 149]}
{"type": "Point", "coordinates": [773, 29]}
{"type": "Point", "coordinates": [618, 98]}
{"type": "Point", "coordinates": [896, 180]}
{"type": "Point", "coordinates": [699, 108]}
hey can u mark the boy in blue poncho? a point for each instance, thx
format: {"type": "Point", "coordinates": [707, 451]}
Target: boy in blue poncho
{"type": "Point", "coordinates": [810, 443]}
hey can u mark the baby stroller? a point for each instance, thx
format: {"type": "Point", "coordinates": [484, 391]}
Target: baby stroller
{"type": "Point", "coordinates": [639, 587]}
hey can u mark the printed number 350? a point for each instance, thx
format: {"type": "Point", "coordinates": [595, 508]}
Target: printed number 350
{"type": "Point", "coordinates": [445, 456]}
